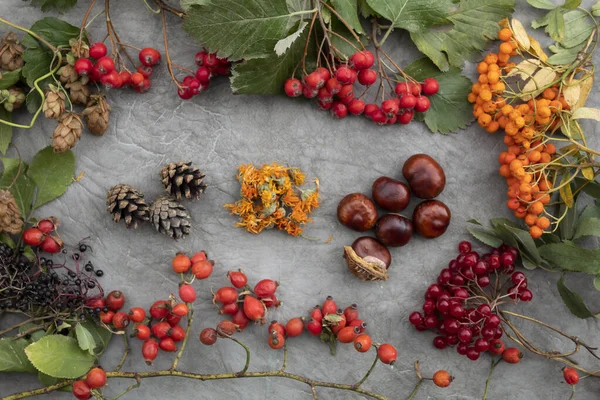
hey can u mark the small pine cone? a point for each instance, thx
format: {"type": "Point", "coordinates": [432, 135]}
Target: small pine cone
{"type": "Point", "coordinates": [67, 133]}
{"type": "Point", "coordinates": [169, 217]}
{"type": "Point", "coordinates": [182, 180]}
{"type": "Point", "coordinates": [10, 215]}
{"type": "Point", "coordinates": [79, 91]}
{"type": "Point", "coordinates": [79, 48]}
{"type": "Point", "coordinates": [54, 106]}
{"type": "Point", "coordinates": [96, 114]}
{"type": "Point", "coordinates": [67, 74]}
{"type": "Point", "coordinates": [11, 51]}
{"type": "Point", "coordinates": [125, 202]}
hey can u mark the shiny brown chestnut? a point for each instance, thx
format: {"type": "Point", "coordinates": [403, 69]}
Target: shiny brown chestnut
{"type": "Point", "coordinates": [369, 248]}
{"type": "Point", "coordinates": [394, 230]}
{"type": "Point", "coordinates": [424, 175]}
{"type": "Point", "coordinates": [431, 218]}
{"type": "Point", "coordinates": [390, 194]}
{"type": "Point", "coordinates": [357, 211]}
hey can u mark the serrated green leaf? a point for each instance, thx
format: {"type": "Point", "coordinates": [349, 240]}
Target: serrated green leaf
{"type": "Point", "coordinates": [563, 56]}
{"type": "Point", "coordinates": [571, 257]}
{"type": "Point", "coordinates": [9, 78]}
{"type": "Point", "coordinates": [6, 131]}
{"type": "Point", "coordinates": [542, 4]}
{"type": "Point", "coordinates": [101, 335]}
{"type": "Point", "coordinates": [572, 300]}
{"type": "Point", "coordinates": [485, 236]}
{"type": "Point", "coordinates": [449, 111]}
{"type": "Point", "coordinates": [527, 243]}
{"type": "Point", "coordinates": [284, 44]}
{"type": "Point", "coordinates": [549, 238]}
{"type": "Point", "coordinates": [37, 63]}
{"type": "Point", "coordinates": [33, 101]}
{"type": "Point", "coordinates": [348, 10]}
{"type": "Point", "coordinates": [587, 227]}
{"type": "Point", "coordinates": [577, 31]}
{"type": "Point", "coordinates": [55, 5]}
{"type": "Point", "coordinates": [22, 188]}
{"type": "Point", "coordinates": [342, 46]}
{"type": "Point", "coordinates": [412, 15]}
{"type": "Point", "coordinates": [243, 29]}
{"type": "Point", "coordinates": [85, 339]}
{"type": "Point", "coordinates": [12, 356]}
{"type": "Point", "coordinates": [52, 173]}
{"type": "Point", "coordinates": [465, 34]}
{"type": "Point", "coordinates": [555, 24]}
{"type": "Point", "coordinates": [56, 31]}
{"type": "Point", "coordinates": [59, 356]}
{"type": "Point", "coordinates": [267, 75]}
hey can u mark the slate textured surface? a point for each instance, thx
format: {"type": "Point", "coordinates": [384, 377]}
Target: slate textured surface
{"type": "Point", "coordinates": [218, 131]}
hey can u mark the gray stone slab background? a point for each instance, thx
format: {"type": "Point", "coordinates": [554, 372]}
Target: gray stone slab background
{"type": "Point", "coordinates": [218, 131]}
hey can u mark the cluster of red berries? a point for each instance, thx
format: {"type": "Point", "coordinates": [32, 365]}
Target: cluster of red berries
{"type": "Point", "coordinates": [104, 70]}
{"type": "Point", "coordinates": [95, 379]}
{"type": "Point", "coordinates": [209, 66]}
{"type": "Point", "coordinates": [41, 235]}
{"type": "Point", "coordinates": [461, 306]}
{"type": "Point", "coordinates": [334, 91]}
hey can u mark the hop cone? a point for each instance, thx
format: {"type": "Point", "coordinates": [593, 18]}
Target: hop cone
{"type": "Point", "coordinates": [169, 217]}
{"type": "Point", "coordinates": [125, 202]}
{"type": "Point", "coordinates": [10, 215]}
{"type": "Point", "coordinates": [10, 52]}
{"type": "Point", "coordinates": [67, 74]}
{"type": "Point", "coordinates": [67, 132]}
{"type": "Point", "coordinates": [79, 91]}
{"type": "Point", "coordinates": [54, 105]}
{"type": "Point", "coordinates": [79, 48]}
{"type": "Point", "coordinates": [182, 180]}
{"type": "Point", "coordinates": [96, 114]}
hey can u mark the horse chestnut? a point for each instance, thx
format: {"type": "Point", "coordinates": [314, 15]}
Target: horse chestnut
{"type": "Point", "coordinates": [394, 230]}
{"type": "Point", "coordinates": [390, 194]}
{"type": "Point", "coordinates": [424, 175]}
{"type": "Point", "coordinates": [357, 211]}
{"type": "Point", "coordinates": [431, 218]}
{"type": "Point", "coordinates": [367, 246]}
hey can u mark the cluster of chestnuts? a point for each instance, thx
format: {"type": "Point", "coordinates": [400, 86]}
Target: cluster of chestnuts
{"type": "Point", "coordinates": [369, 258]}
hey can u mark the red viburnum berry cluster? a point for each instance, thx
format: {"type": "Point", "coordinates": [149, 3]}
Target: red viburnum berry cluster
{"type": "Point", "coordinates": [101, 68]}
{"type": "Point", "coordinates": [334, 91]}
{"type": "Point", "coordinates": [462, 306]}
{"type": "Point", "coordinates": [209, 66]}
{"type": "Point", "coordinates": [42, 235]}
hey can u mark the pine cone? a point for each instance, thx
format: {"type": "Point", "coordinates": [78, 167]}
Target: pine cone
{"type": "Point", "coordinates": [54, 105]}
{"type": "Point", "coordinates": [67, 74]}
{"type": "Point", "coordinates": [79, 48]}
{"type": "Point", "coordinates": [182, 180]}
{"type": "Point", "coordinates": [10, 52]}
{"type": "Point", "coordinates": [67, 133]}
{"type": "Point", "coordinates": [169, 217]}
{"type": "Point", "coordinates": [125, 202]}
{"type": "Point", "coordinates": [96, 114]}
{"type": "Point", "coordinates": [79, 91]}
{"type": "Point", "coordinates": [10, 215]}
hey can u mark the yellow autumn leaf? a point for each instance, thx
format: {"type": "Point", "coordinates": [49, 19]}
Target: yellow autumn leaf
{"type": "Point", "coordinates": [525, 68]}
{"type": "Point", "coordinates": [566, 194]}
{"type": "Point", "coordinates": [585, 88]}
{"type": "Point", "coordinates": [588, 173]}
{"type": "Point", "coordinates": [537, 50]}
{"type": "Point", "coordinates": [520, 34]}
{"type": "Point", "coordinates": [572, 93]}
{"type": "Point", "coordinates": [541, 78]}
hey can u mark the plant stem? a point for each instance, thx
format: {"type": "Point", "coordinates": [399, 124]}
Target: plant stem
{"type": "Point", "coordinates": [85, 18]}
{"type": "Point", "coordinates": [170, 9]}
{"type": "Point", "coordinates": [285, 357]}
{"type": "Point", "coordinates": [168, 57]}
{"type": "Point", "coordinates": [489, 378]}
{"type": "Point", "coordinates": [15, 326]}
{"type": "Point", "coordinates": [30, 33]}
{"type": "Point", "coordinates": [129, 389]}
{"type": "Point", "coordinates": [415, 390]}
{"type": "Point", "coordinates": [190, 318]}
{"type": "Point", "coordinates": [364, 378]}
{"type": "Point", "coordinates": [243, 371]}
{"type": "Point", "coordinates": [125, 352]}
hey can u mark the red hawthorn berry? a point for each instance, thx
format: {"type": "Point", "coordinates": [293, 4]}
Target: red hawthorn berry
{"type": "Point", "coordinates": [33, 236]}
{"type": "Point", "coordinates": [83, 66]}
{"type": "Point", "coordinates": [203, 75]}
{"type": "Point", "coordinates": [142, 331]}
{"type": "Point", "coordinates": [81, 390]}
{"type": "Point", "coordinates": [356, 107]}
{"type": "Point", "coordinates": [265, 288]}
{"type": "Point", "coordinates": [571, 376]}
{"type": "Point", "coordinates": [167, 344]}
{"type": "Point", "coordinates": [187, 293]}
{"type": "Point", "coordinates": [430, 86]}
{"type": "Point", "coordinates": [415, 88]}
{"type": "Point", "coordinates": [496, 346]}
{"type": "Point", "coordinates": [225, 295]}
{"type": "Point", "coordinates": [442, 378]}
{"type": "Point", "coordinates": [314, 80]}
{"type": "Point", "coordinates": [333, 86]}
{"type": "Point", "coordinates": [278, 327]}
{"type": "Point", "coordinates": [387, 353]}
{"type": "Point", "coordinates": [339, 110]}
{"type": "Point", "coordinates": [325, 104]}
{"type": "Point", "coordinates": [111, 79]}
{"type": "Point", "coordinates": [210, 60]}
{"type": "Point", "coordinates": [344, 75]}
{"type": "Point", "coordinates": [358, 60]}
{"type": "Point", "coordinates": [240, 319]}
{"type": "Point", "coordinates": [150, 350]}
{"type": "Point", "coordinates": [422, 104]}
{"type": "Point", "coordinates": [402, 88]}
{"type": "Point", "coordinates": [115, 300]}
{"type": "Point", "coordinates": [199, 58]}
{"type": "Point", "coordinates": [309, 92]}
{"type": "Point", "coordinates": [145, 71]}
{"type": "Point", "coordinates": [324, 72]}
{"type": "Point", "coordinates": [512, 355]}
{"type": "Point", "coordinates": [160, 309]}
{"type": "Point", "coordinates": [137, 314]}
{"type": "Point", "coordinates": [379, 117]}
{"type": "Point", "coordinates": [105, 65]}
{"type": "Point", "coordinates": [237, 278]}
{"type": "Point", "coordinates": [98, 50]}
{"type": "Point", "coordinates": [408, 101]}
{"type": "Point", "coordinates": [346, 94]}
{"type": "Point", "coordinates": [405, 117]}
{"type": "Point", "coordinates": [208, 336]}
{"type": "Point", "coordinates": [367, 77]}
{"type": "Point", "coordinates": [390, 107]}
{"type": "Point", "coordinates": [96, 378]}
{"type": "Point", "coordinates": [294, 327]}
{"type": "Point", "coordinates": [324, 95]}
{"type": "Point", "coordinates": [253, 308]}
{"type": "Point", "coordinates": [173, 319]}
{"type": "Point", "coordinates": [120, 320]}
{"type": "Point", "coordinates": [125, 78]}
{"type": "Point", "coordinates": [137, 79]}
{"type": "Point", "coordinates": [149, 56]}
{"type": "Point", "coordinates": [371, 109]}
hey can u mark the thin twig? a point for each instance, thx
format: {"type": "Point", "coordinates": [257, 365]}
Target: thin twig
{"type": "Point", "coordinates": [125, 353]}
{"type": "Point", "coordinates": [364, 378]}
{"type": "Point", "coordinates": [489, 378]}
{"type": "Point", "coordinates": [167, 56]}
{"type": "Point", "coordinates": [247, 364]}
{"type": "Point", "coordinates": [190, 318]}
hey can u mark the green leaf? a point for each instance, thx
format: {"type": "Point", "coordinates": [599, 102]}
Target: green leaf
{"type": "Point", "coordinates": [587, 227]}
{"type": "Point", "coordinates": [464, 34]}
{"type": "Point", "coordinates": [591, 211]}
{"type": "Point", "coordinates": [564, 56]}
{"type": "Point", "coordinates": [542, 4]}
{"type": "Point", "coordinates": [449, 110]}
{"type": "Point", "coordinates": [34, 336]}
{"type": "Point", "coordinates": [6, 239]}
{"type": "Point", "coordinates": [12, 356]}
{"type": "Point", "coordinates": [59, 356]}
{"type": "Point", "coordinates": [284, 44]}
{"type": "Point", "coordinates": [267, 75]}
{"type": "Point", "coordinates": [22, 188]}
{"type": "Point", "coordinates": [571, 4]}
{"type": "Point", "coordinates": [9, 78]}
{"type": "Point", "coordinates": [100, 335]}
{"type": "Point", "coordinates": [55, 5]}
{"type": "Point", "coordinates": [52, 173]}
{"type": "Point", "coordinates": [33, 101]}
{"type": "Point", "coordinates": [37, 63]}
{"type": "Point", "coordinates": [577, 31]}
{"type": "Point", "coordinates": [572, 300]}
{"type": "Point", "coordinates": [571, 257]}
{"type": "Point", "coordinates": [412, 15]}
{"type": "Point", "coordinates": [527, 243]}
{"type": "Point", "coordinates": [556, 24]}
{"type": "Point", "coordinates": [48, 380]}
{"type": "Point", "coordinates": [485, 236]}
{"type": "Point", "coordinates": [365, 10]}
{"type": "Point", "coordinates": [528, 264]}
{"type": "Point", "coordinates": [5, 130]}
{"type": "Point", "coordinates": [597, 282]}
{"type": "Point", "coordinates": [186, 4]}
{"type": "Point", "coordinates": [567, 226]}
{"type": "Point", "coordinates": [596, 9]}
{"type": "Point", "coordinates": [503, 222]}
{"type": "Point", "coordinates": [343, 47]}
{"type": "Point", "coordinates": [85, 339]}
{"type": "Point", "coordinates": [589, 187]}
{"type": "Point", "coordinates": [240, 29]}
{"type": "Point", "coordinates": [348, 10]}
{"type": "Point", "coordinates": [29, 253]}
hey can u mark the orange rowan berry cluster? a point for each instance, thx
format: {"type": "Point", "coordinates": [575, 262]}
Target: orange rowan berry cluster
{"type": "Point", "coordinates": [528, 152]}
